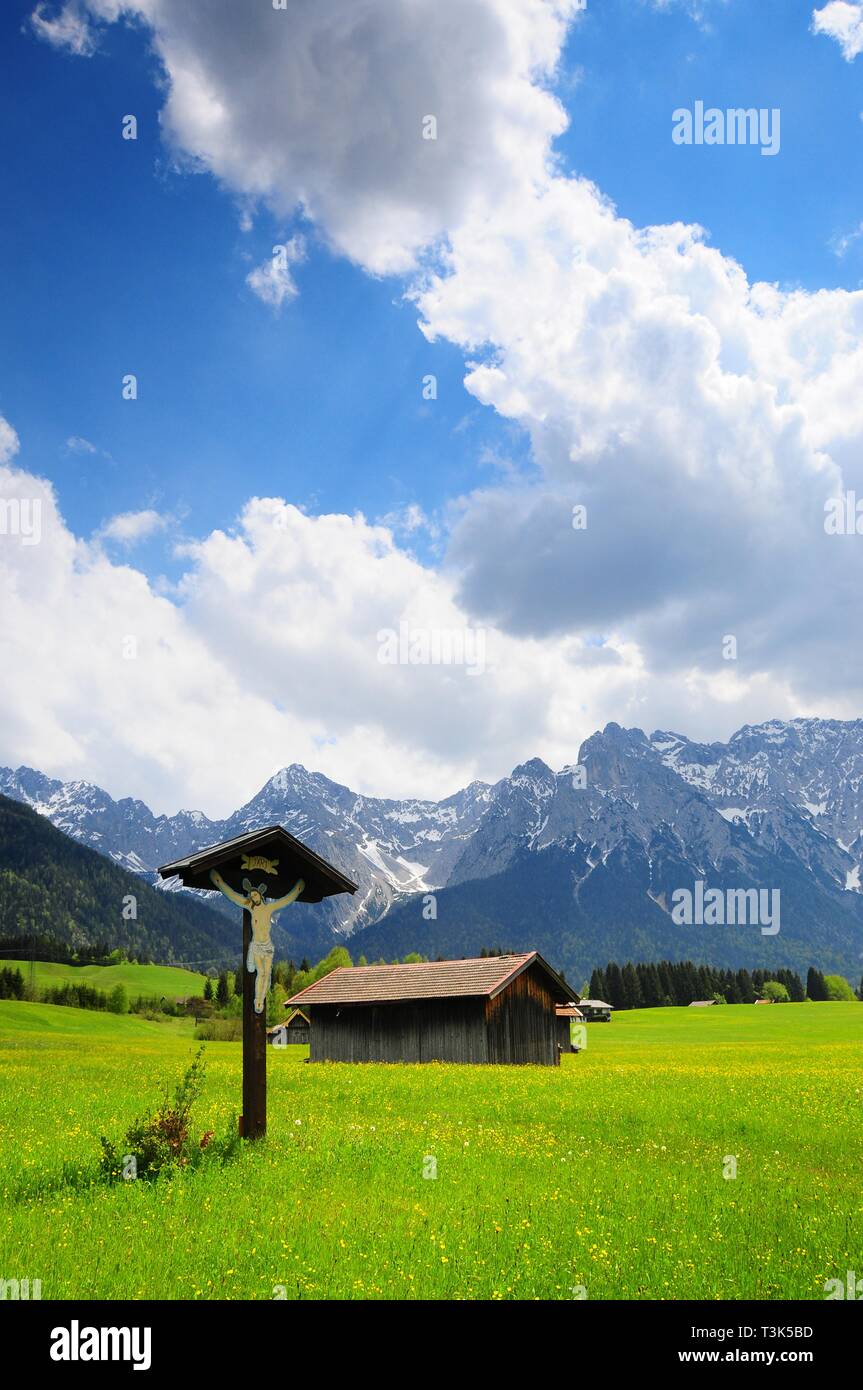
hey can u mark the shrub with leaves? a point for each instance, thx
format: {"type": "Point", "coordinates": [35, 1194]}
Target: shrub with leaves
{"type": "Point", "coordinates": [162, 1141]}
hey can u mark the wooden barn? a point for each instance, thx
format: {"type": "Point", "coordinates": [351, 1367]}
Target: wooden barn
{"type": "Point", "coordinates": [295, 1029]}
{"type": "Point", "coordinates": [496, 1009]}
{"type": "Point", "coordinates": [566, 1015]}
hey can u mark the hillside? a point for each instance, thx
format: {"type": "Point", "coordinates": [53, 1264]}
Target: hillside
{"type": "Point", "coordinates": [50, 886]}
{"type": "Point", "coordinates": [144, 981]}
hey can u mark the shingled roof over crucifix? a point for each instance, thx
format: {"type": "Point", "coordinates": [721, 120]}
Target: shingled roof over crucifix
{"type": "Point", "coordinates": [272, 851]}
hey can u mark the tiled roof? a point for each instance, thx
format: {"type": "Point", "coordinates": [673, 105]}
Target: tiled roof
{"type": "Point", "coordinates": [443, 979]}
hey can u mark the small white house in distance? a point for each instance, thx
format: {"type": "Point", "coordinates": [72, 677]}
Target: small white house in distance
{"type": "Point", "coordinates": [595, 1010]}
{"type": "Point", "coordinates": [702, 1003]}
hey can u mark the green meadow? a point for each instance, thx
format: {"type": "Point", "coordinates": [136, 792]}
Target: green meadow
{"type": "Point", "coordinates": [605, 1175]}
{"type": "Point", "coordinates": [149, 981]}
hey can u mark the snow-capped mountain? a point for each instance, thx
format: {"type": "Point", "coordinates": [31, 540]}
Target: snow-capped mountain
{"type": "Point", "coordinates": [779, 806]}
{"type": "Point", "coordinates": [389, 848]}
{"type": "Point", "coordinates": [797, 784]}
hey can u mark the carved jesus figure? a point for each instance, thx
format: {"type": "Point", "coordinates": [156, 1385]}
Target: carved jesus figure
{"type": "Point", "coordinates": [259, 960]}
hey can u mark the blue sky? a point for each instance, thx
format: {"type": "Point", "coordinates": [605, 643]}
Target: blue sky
{"type": "Point", "coordinates": [120, 257]}
{"type": "Point", "coordinates": [123, 264]}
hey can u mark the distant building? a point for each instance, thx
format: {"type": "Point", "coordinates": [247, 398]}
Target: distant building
{"type": "Point", "coordinates": [595, 1010]}
{"type": "Point", "coordinates": [566, 1015]}
{"type": "Point", "coordinates": [702, 1003]}
{"type": "Point", "coordinates": [493, 1009]}
{"type": "Point", "coordinates": [295, 1029]}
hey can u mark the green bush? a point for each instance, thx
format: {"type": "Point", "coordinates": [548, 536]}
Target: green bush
{"type": "Point", "coordinates": [838, 988]}
{"type": "Point", "coordinates": [160, 1142]}
{"type": "Point", "coordinates": [220, 1030]}
{"type": "Point", "coordinates": [775, 990]}
{"type": "Point", "coordinates": [118, 1000]}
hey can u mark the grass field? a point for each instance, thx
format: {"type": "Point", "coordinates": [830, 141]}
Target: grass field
{"type": "Point", "coordinates": [606, 1173]}
{"type": "Point", "coordinates": [147, 980]}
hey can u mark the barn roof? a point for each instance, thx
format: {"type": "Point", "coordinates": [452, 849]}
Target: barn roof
{"type": "Point", "coordinates": [595, 1004]}
{"type": "Point", "coordinates": [440, 979]}
{"type": "Point", "coordinates": [563, 1011]}
{"type": "Point", "coordinates": [293, 1016]}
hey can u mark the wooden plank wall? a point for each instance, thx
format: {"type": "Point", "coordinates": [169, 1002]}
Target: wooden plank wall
{"type": "Point", "coordinates": [521, 1023]}
{"type": "Point", "coordinates": [446, 1030]}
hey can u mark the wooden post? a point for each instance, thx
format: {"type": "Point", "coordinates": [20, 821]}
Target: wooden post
{"type": "Point", "coordinates": [294, 873]}
{"type": "Point", "coordinates": [253, 1122]}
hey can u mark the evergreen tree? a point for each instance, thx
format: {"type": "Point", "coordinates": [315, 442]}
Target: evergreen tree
{"type": "Point", "coordinates": [666, 983]}
{"type": "Point", "coordinates": [745, 987]}
{"type": "Point", "coordinates": [614, 980]}
{"type": "Point", "coordinates": [816, 988]}
{"type": "Point", "coordinates": [222, 991]}
{"type": "Point", "coordinates": [731, 989]}
{"type": "Point", "coordinates": [631, 988]}
{"type": "Point", "coordinates": [598, 986]}
{"type": "Point", "coordinates": [208, 989]}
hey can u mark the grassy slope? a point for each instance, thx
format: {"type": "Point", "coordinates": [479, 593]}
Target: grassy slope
{"type": "Point", "coordinates": [147, 980]}
{"type": "Point", "coordinates": [605, 1173]}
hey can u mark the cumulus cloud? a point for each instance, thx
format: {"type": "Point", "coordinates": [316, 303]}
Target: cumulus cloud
{"type": "Point", "coordinates": [268, 651]}
{"type": "Point", "coordinates": [842, 20]}
{"type": "Point", "coordinates": [693, 414]}
{"type": "Point", "coordinates": [332, 108]}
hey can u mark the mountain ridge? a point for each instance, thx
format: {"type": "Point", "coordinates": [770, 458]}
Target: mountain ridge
{"type": "Point", "coordinates": [779, 806]}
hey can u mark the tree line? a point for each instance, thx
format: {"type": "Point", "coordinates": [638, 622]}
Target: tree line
{"type": "Point", "coordinates": [665, 983]}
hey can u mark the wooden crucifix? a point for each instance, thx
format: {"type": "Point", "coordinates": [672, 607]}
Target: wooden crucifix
{"type": "Point", "coordinates": [261, 872]}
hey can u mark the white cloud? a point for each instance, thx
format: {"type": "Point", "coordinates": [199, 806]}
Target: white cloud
{"type": "Point", "coordinates": [66, 27]}
{"type": "Point", "coordinates": [76, 444]}
{"type": "Point", "coordinates": [130, 527]}
{"type": "Point", "coordinates": [841, 245]}
{"type": "Point", "coordinates": [267, 654]}
{"type": "Point", "coordinates": [694, 414]}
{"type": "Point", "coordinates": [322, 107]}
{"type": "Point", "coordinates": [9, 443]}
{"type": "Point", "coordinates": [842, 20]}
{"type": "Point", "coordinates": [272, 281]}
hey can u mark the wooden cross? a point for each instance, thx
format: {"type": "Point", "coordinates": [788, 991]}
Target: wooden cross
{"type": "Point", "coordinates": [262, 872]}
